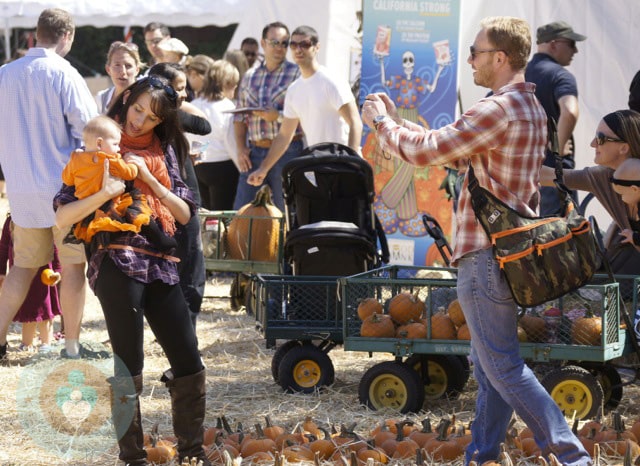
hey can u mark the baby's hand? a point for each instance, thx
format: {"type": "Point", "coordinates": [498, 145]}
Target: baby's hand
{"type": "Point", "coordinates": [628, 236]}
{"type": "Point", "coordinates": [111, 185]}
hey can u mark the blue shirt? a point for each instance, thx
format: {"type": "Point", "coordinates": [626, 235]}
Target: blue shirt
{"type": "Point", "coordinates": [45, 106]}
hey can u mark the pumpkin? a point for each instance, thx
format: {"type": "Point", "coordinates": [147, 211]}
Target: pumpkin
{"type": "Point", "coordinates": [412, 330]}
{"type": "Point", "coordinates": [587, 331]}
{"type": "Point", "coordinates": [522, 335]}
{"type": "Point", "coordinates": [378, 326]}
{"type": "Point", "coordinates": [534, 326]}
{"type": "Point", "coordinates": [158, 451]}
{"type": "Point", "coordinates": [455, 312]}
{"type": "Point", "coordinates": [443, 447]}
{"type": "Point", "coordinates": [405, 307]}
{"type": "Point", "coordinates": [49, 277]}
{"type": "Point", "coordinates": [442, 327]}
{"type": "Point", "coordinates": [463, 332]}
{"type": "Point", "coordinates": [369, 306]}
{"type": "Point", "coordinates": [254, 232]}
{"type": "Point", "coordinates": [260, 443]}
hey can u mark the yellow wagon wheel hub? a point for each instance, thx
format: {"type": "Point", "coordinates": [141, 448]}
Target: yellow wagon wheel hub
{"type": "Point", "coordinates": [307, 373]}
{"type": "Point", "coordinates": [573, 396]}
{"type": "Point", "coordinates": [388, 391]}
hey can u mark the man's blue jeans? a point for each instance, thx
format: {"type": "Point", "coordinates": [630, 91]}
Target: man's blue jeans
{"type": "Point", "coordinates": [246, 192]}
{"type": "Point", "coordinates": [505, 383]}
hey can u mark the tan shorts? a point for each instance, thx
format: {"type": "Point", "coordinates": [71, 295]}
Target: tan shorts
{"type": "Point", "coordinates": [33, 247]}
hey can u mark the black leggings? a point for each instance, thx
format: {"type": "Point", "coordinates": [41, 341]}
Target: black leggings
{"type": "Point", "coordinates": [217, 182]}
{"type": "Point", "coordinates": [125, 300]}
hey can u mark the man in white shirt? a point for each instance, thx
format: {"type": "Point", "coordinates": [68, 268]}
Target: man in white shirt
{"type": "Point", "coordinates": [325, 108]}
{"type": "Point", "coordinates": [46, 104]}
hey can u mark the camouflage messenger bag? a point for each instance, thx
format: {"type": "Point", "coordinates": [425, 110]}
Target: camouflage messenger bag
{"type": "Point", "coordinates": [542, 258]}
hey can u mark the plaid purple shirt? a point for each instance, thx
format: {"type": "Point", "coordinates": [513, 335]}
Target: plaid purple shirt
{"type": "Point", "coordinates": [504, 137]}
{"type": "Point", "coordinates": [138, 266]}
{"type": "Point", "coordinates": [263, 88]}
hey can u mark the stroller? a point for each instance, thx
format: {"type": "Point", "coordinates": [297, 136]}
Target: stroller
{"type": "Point", "coordinates": [332, 227]}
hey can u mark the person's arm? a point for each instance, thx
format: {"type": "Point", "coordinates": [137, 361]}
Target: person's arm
{"type": "Point", "coordinates": [195, 123]}
{"type": "Point", "coordinates": [278, 147]}
{"type": "Point", "coordinates": [72, 212]}
{"type": "Point", "coordinates": [240, 131]}
{"type": "Point", "coordinates": [349, 112]}
{"type": "Point", "coordinates": [177, 206]}
{"type": "Point", "coordinates": [567, 121]}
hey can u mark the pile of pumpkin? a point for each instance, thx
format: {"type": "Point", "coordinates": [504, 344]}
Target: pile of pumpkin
{"type": "Point", "coordinates": [406, 318]}
{"type": "Point", "coordinates": [391, 441]}
{"type": "Point", "coordinates": [578, 326]}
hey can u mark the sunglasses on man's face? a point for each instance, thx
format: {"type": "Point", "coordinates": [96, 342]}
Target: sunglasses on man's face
{"type": "Point", "coordinates": [602, 139]}
{"type": "Point", "coordinates": [627, 183]}
{"type": "Point", "coordinates": [303, 44]}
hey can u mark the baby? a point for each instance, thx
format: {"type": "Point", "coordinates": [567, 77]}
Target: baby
{"type": "Point", "coordinates": [626, 182]}
{"type": "Point", "coordinates": [127, 212]}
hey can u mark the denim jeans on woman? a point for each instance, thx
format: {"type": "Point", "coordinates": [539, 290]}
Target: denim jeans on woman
{"type": "Point", "coordinates": [505, 383]}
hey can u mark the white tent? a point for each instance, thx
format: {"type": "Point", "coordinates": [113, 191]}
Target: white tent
{"type": "Point", "coordinates": [603, 67]}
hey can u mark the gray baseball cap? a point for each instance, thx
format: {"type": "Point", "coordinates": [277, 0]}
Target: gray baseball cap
{"type": "Point", "coordinates": [557, 30]}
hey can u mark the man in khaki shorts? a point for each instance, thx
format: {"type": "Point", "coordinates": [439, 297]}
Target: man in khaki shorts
{"type": "Point", "coordinates": [46, 104]}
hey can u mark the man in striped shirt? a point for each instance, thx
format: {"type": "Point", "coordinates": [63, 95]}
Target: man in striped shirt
{"type": "Point", "coordinates": [263, 89]}
{"type": "Point", "coordinates": [503, 137]}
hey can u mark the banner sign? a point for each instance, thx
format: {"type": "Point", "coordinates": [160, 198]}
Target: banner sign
{"type": "Point", "coordinates": [409, 51]}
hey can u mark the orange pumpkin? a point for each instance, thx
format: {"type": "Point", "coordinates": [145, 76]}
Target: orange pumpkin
{"type": "Point", "coordinates": [369, 306]}
{"type": "Point", "coordinates": [442, 327]}
{"type": "Point", "coordinates": [49, 277]}
{"type": "Point", "coordinates": [412, 330]}
{"type": "Point", "coordinates": [587, 331]}
{"type": "Point", "coordinates": [254, 232]}
{"type": "Point", "coordinates": [455, 312]}
{"type": "Point", "coordinates": [534, 326]}
{"type": "Point", "coordinates": [405, 307]}
{"type": "Point", "coordinates": [378, 326]}
{"type": "Point", "coordinates": [463, 333]}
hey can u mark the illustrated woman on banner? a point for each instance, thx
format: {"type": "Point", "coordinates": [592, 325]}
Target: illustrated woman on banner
{"type": "Point", "coordinates": [399, 193]}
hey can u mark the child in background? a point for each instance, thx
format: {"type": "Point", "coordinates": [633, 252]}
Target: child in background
{"type": "Point", "coordinates": [626, 182]}
{"type": "Point", "coordinates": [127, 212]}
{"type": "Point", "coordinates": [42, 303]}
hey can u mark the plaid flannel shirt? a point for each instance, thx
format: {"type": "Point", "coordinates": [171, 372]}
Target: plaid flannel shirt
{"type": "Point", "coordinates": [504, 138]}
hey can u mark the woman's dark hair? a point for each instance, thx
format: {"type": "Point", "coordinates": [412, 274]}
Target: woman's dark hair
{"type": "Point", "coordinates": [626, 125]}
{"type": "Point", "coordinates": [163, 104]}
{"type": "Point", "coordinates": [169, 71]}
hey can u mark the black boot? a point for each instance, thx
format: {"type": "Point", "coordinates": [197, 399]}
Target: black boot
{"type": "Point", "coordinates": [187, 410]}
{"type": "Point", "coordinates": [125, 413]}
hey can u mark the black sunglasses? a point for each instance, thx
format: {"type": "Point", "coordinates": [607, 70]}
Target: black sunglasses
{"type": "Point", "coordinates": [602, 138]}
{"type": "Point", "coordinates": [619, 182]}
{"type": "Point", "coordinates": [278, 43]}
{"type": "Point", "coordinates": [473, 51]}
{"type": "Point", "coordinates": [303, 44]}
{"type": "Point", "coordinates": [158, 84]}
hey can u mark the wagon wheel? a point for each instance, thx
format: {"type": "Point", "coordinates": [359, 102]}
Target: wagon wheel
{"type": "Point", "coordinates": [574, 389]}
{"type": "Point", "coordinates": [610, 381]}
{"type": "Point", "coordinates": [249, 301]}
{"type": "Point", "coordinates": [447, 374]}
{"type": "Point", "coordinates": [238, 291]}
{"type": "Point", "coordinates": [391, 385]}
{"type": "Point", "coordinates": [279, 354]}
{"type": "Point", "coordinates": [305, 368]}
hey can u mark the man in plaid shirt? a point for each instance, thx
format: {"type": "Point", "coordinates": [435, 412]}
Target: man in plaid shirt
{"type": "Point", "coordinates": [503, 136]}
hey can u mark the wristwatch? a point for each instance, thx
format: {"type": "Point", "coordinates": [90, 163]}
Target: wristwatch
{"type": "Point", "coordinates": [377, 120]}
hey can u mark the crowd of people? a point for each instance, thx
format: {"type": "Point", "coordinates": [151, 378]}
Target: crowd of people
{"type": "Point", "coordinates": [137, 160]}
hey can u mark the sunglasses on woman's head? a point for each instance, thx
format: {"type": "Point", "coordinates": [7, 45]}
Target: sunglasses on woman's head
{"type": "Point", "coordinates": [127, 45]}
{"type": "Point", "coordinates": [157, 84]}
{"type": "Point", "coordinates": [602, 138]}
{"type": "Point", "coordinates": [627, 183]}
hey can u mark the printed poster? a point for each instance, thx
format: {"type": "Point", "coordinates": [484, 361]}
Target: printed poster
{"type": "Point", "coordinates": [409, 51]}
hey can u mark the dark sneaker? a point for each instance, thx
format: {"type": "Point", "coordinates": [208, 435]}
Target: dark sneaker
{"type": "Point", "coordinates": [87, 351]}
{"type": "Point", "coordinates": [3, 352]}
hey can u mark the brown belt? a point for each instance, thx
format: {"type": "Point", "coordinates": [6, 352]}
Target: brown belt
{"type": "Point", "coordinates": [143, 251]}
{"type": "Point", "coordinates": [266, 143]}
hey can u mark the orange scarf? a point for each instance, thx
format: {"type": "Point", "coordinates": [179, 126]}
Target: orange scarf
{"type": "Point", "coordinates": [149, 148]}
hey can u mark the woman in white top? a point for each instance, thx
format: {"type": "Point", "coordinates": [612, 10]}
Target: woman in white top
{"type": "Point", "coordinates": [123, 66]}
{"type": "Point", "coordinates": [196, 68]}
{"type": "Point", "coordinates": [216, 168]}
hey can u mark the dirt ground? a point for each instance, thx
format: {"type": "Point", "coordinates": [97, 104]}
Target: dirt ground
{"type": "Point", "coordinates": [239, 386]}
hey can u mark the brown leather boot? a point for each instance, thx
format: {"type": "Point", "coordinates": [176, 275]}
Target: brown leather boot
{"type": "Point", "coordinates": [187, 410]}
{"type": "Point", "coordinates": [127, 422]}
